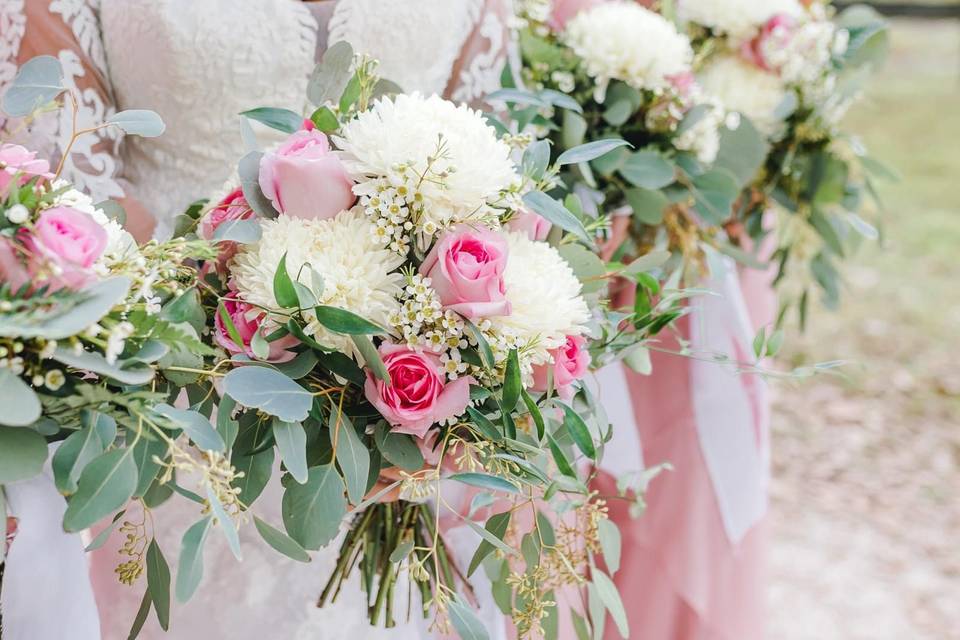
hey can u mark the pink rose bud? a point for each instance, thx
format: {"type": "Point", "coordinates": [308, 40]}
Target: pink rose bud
{"type": "Point", "coordinates": [535, 226]}
{"type": "Point", "coordinates": [466, 270]}
{"type": "Point", "coordinates": [570, 363]}
{"type": "Point", "coordinates": [14, 160]}
{"type": "Point", "coordinates": [775, 35]}
{"type": "Point", "coordinates": [418, 395]}
{"type": "Point", "coordinates": [566, 10]}
{"type": "Point", "coordinates": [304, 179]}
{"type": "Point", "coordinates": [247, 320]}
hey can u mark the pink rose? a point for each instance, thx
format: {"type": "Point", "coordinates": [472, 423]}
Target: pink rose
{"type": "Point", "coordinates": [775, 35]}
{"type": "Point", "coordinates": [14, 160]}
{"type": "Point", "coordinates": [466, 270]}
{"type": "Point", "coordinates": [233, 207]}
{"type": "Point", "coordinates": [418, 395]}
{"type": "Point", "coordinates": [683, 83]}
{"type": "Point", "coordinates": [570, 363]}
{"type": "Point", "coordinates": [566, 10]}
{"type": "Point", "coordinates": [62, 248]}
{"type": "Point", "coordinates": [534, 225]}
{"type": "Point", "coordinates": [247, 320]}
{"type": "Point", "coordinates": [304, 179]}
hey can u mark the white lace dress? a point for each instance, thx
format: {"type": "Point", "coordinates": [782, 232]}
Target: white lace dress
{"type": "Point", "coordinates": [199, 63]}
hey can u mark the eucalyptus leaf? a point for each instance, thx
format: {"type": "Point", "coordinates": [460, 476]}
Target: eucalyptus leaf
{"type": "Point", "coordinates": [158, 582]}
{"type": "Point", "coordinates": [283, 289]}
{"type": "Point", "coordinates": [352, 456]}
{"type": "Point", "coordinates": [610, 597]}
{"type": "Point", "coordinates": [38, 82]}
{"type": "Point", "coordinates": [371, 357]}
{"type": "Point", "coordinates": [312, 512]}
{"type": "Point", "coordinates": [105, 485]}
{"type": "Point", "coordinates": [96, 363]}
{"type": "Point", "coordinates": [591, 151]}
{"type": "Point", "coordinates": [485, 481]}
{"type": "Point", "coordinates": [610, 544]}
{"type": "Point", "coordinates": [72, 456]}
{"type": "Point", "coordinates": [466, 623]}
{"type": "Point", "coordinates": [195, 425]}
{"type": "Point", "coordinates": [283, 120]}
{"type": "Point", "coordinates": [145, 451]}
{"type": "Point", "coordinates": [347, 322]}
{"type": "Point", "coordinates": [647, 204]}
{"type": "Point", "coordinates": [291, 442]}
{"type": "Point", "coordinates": [22, 454]}
{"type": "Point", "coordinates": [21, 406]}
{"type": "Point", "coordinates": [398, 448]}
{"type": "Point", "coordinates": [324, 119]}
{"type": "Point", "coordinates": [646, 262]}
{"type": "Point", "coordinates": [497, 526]}
{"type": "Point", "coordinates": [715, 193]}
{"type": "Point", "coordinates": [586, 265]}
{"type": "Point", "coordinates": [138, 122]}
{"type": "Point", "coordinates": [104, 535]}
{"type": "Point", "coordinates": [257, 469]}
{"type": "Point", "coordinates": [557, 214]}
{"type": "Point", "coordinates": [249, 172]}
{"type": "Point", "coordinates": [742, 151]}
{"type": "Point", "coordinates": [331, 75]}
{"type": "Point", "coordinates": [270, 391]}
{"type": "Point", "coordinates": [240, 231]}
{"type": "Point", "coordinates": [190, 565]}
{"type": "Point", "coordinates": [648, 169]}
{"type": "Point", "coordinates": [280, 541]}
{"type": "Point", "coordinates": [226, 523]}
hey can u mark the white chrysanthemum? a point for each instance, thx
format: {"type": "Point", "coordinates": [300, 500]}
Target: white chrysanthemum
{"type": "Point", "coordinates": [703, 138]}
{"type": "Point", "coordinates": [745, 88]}
{"type": "Point", "coordinates": [544, 296]}
{"type": "Point", "coordinates": [739, 19]}
{"type": "Point", "coordinates": [397, 137]}
{"type": "Point", "coordinates": [357, 274]}
{"type": "Point", "coordinates": [624, 41]}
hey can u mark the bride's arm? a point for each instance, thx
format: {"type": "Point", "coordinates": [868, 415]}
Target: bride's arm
{"type": "Point", "coordinates": [72, 35]}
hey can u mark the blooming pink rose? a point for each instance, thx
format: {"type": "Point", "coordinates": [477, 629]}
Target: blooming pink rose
{"type": "Point", "coordinates": [570, 363]}
{"type": "Point", "coordinates": [304, 179]}
{"type": "Point", "coordinates": [14, 160]}
{"type": "Point", "coordinates": [247, 320]}
{"type": "Point", "coordinates": [466, 270]}
{"type": "Point", "coordinates": [775, 35]}
{"type": "Point", "coordinates": [418, 395]}
{"type": "Point", "coordinates": [62, 248]}
{"type": "Point", "coordinates": [566, 10]}
{"type": "Point", "coordinates": [534, 225]}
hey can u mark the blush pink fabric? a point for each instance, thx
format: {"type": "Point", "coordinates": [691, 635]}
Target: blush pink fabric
{"type": "Point", "coordinates": [681, 578]}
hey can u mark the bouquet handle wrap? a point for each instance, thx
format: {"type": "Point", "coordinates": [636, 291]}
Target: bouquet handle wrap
{"type": "Point", "coordinates": [46, 583]}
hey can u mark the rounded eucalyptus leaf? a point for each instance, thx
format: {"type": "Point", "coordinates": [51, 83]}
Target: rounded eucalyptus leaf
{"type": "Point", "coordinates": [138, 122]}
{"type": "Point", "coordinates": [22, 454]}
{"type": "Point", "coordinates": [21, 406]}
{"type": "Point", "coordinates": [38, 82]}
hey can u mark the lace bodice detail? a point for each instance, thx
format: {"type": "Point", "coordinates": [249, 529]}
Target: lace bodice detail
{"type": "Point", "coordinates": [68, 30]}
{"type": "Point", "coordinates": [201, 63]}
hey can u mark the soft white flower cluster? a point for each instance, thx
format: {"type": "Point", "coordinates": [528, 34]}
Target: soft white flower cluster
{"type": "Point", "coordinates": [738, 19]}
{"type": "Point", "coordinates": [426, 161]}
{"type": "Point", "coordinates": [338, 259]}
{"type": "Point", "coordinates": [623, 41]}
{"type": "Point", "coordinates": [745, 88]}
{"type": "Point", "coordinates": [423, 324]}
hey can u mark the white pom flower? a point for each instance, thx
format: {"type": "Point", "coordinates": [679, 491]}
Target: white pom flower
{"type": "Point", "coordinates": [357, 274]}
{"type": "Point", "coordinates": [544, 296]}
{"type": "Point", "coordinates": [623, 41]}
{"type": "Point", "coordinates": [739, 19]}
{"type": "Point", "coordinates": [703, 138]}
{"type": "Point", "coordinates": [444, 152]}
{"type": "Point", "coordinates": [747, 89]}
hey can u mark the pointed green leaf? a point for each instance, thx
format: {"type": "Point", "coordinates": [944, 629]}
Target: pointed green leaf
{"type": "Point", "coordinates": [292, 444]}
{"type": "Point", "coordinates": [352, 456]}
{"type": "Point", "coordinates": [105, 485]}
{"type": "Point", "coordinates": [280, 541]}
{"type": "Point", "coordinates": [190, 565]}
{"type": "Point", "coordinates": [158, 582]}
{"type": "Point", "coordinates": [312, 512]}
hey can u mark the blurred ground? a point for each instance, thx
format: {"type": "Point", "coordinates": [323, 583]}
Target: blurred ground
{"type": "Point", "coordinates": [866, 493]}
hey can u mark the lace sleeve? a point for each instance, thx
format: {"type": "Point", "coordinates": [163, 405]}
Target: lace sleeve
{"type": "Point", "coordinates": [477, 70]}
{"type": "Point", "coordinates": [69, 30]}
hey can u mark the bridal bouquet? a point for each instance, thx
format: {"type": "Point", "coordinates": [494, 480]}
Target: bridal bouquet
{"type": "Point", "coordinates": [626, 78]}
{"type": "Point", "coordinates": [389, 322]}
{"type": "Point", "coordinates": [792, 69]}
{"type": "Point", "coordinates": [84, 330]}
